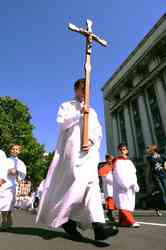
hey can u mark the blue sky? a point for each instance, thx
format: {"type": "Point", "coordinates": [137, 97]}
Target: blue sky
{"type": "Point", "coordinates": [40, 58]}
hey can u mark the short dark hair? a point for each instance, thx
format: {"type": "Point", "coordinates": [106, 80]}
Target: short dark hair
{"type": "Point", "coordinates": [14, 144]}
{"type": "Point", "coordinates": [108, 156]}
{"type": "Point", "coordinates": [78, 83]}
{"type": "Point", "coordinates": [152, 148]}
{"type": "Point", "coordinates": [122, 145]}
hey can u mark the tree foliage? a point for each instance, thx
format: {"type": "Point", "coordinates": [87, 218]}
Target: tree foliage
{"type": "Point", "coordinates": [16, 127]}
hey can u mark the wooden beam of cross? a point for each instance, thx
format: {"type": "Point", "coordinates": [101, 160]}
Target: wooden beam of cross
{"type": "Point", "coordinates": [90, 37]}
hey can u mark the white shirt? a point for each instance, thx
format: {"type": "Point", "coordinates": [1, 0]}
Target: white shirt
{"type": "Point", "coordinates": [2, 164]}
{"type": "Point", "coordinates": [13, 163]}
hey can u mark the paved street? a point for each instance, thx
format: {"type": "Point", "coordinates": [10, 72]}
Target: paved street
{"type": "Point", "coordinates": [25, 235]}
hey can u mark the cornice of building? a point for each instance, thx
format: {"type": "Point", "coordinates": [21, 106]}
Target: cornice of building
{"type": "Point", "coordinates": [139, 86]}
{"type": "Point", "coordinates": [145, 45]}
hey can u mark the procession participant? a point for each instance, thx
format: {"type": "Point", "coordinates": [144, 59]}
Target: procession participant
{"type": "Point", "coordinates": [105, 171]}
{"type": "Point", "coordinates": [38, 194]}
{"type": "Point", "coordinates": [71, 192]}
{"type": "Point", "coordinates": [40, 189]}
{"type": "Point", "coordinates": [3, 174]}
{"type": "Point", "coordinates": [124, 187]}
{"type": "Point", "coordinates": [157, 169]}
{"type": "Point", "coordinates": [15, 168]}
{"type": "Point", "coordinates": [2, 167]}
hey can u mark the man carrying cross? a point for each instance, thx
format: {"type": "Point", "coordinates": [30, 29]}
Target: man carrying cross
{"type": "Point", "coordinates": [71, 193]}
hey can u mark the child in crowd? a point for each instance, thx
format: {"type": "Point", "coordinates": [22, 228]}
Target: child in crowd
{"type": "Point", "coordinates": [2, 167]}
{"type": "Point", "coordinates": [125, 187]}
{"type": "Point", "coordinates": [107, 183]}
{"type": "Point", "coordinates": [15, 168]}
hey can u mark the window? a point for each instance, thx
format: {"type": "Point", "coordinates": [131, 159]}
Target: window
{"type": "Point", "coordinates": [156, 117]}
{"type": "Point", "coordinates": [122, 128]}
{"type": "Point", "coordinates": [138, 129]}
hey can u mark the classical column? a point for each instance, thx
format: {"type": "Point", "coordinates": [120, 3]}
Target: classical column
{"type": "Point", "coordinates": [129, 132]}
{"type": "Point", "coordinates": [164, 77]}
{"type": "Point", "coordinates": [108, 125]}
{"type": "Point", "coordinates": [161, 97]}
{"type": "Point", "coordinates": [115, 134]}
{"type": "Point", "coordinates": [144, 121]}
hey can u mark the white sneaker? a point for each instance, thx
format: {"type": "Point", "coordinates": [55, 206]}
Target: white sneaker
{"type": "Point", "coordinates": [136, 224]}
{"type": "Point", "coordinates": [158, 213]}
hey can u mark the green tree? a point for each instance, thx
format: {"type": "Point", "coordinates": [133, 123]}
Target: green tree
{"type": "Point", "coordinates": [16, 127]}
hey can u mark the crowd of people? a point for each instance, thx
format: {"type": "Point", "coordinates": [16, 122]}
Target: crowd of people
{"type": "Point", "coordinates": [155, 179]}
{"type": "Point", "coordinates": [70, 195]}
{"type": "Point", "coordinates": [15, 189]}
{"type": "Point", "coordinates": [120, 185]}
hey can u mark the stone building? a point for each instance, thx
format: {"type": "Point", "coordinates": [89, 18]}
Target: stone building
{"type": "Point", "coordinates": [135, 97]}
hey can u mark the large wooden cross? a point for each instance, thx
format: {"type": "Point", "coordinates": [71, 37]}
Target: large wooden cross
{"type": "Point", "coordinates": [90, 37]}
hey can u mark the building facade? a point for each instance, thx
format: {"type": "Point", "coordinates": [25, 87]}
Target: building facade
{"type": "Point", "coordinates": [135, 98]}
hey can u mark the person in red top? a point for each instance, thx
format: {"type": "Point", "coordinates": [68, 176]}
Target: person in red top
{"type": "Point", "coordinates": [124, 187]}
{"type": "Point", "coordinates": [107, 184]}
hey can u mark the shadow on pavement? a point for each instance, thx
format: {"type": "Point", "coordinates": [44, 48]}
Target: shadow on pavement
{"type": "Point", "coordinates": [48, 234]}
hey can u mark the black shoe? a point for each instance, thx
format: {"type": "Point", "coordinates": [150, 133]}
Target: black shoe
{"type": "Point", "coordinates": [70, 228]}
{"type": "Point", "coordinates": [102, 231]}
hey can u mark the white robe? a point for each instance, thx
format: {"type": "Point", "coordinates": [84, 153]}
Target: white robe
{"type": "Point", "coordinates": [2, 165]}
{"type": "Point", "coordinates": [125, 184]}
{"type": "Point", "coordinates": [107, 183]}
{"type": "Point", "coordinates": [71, 189]}
{"type": "Point", "coordinates": [8, 189]}
{"type": "Point", "coordinates": [40, 189]}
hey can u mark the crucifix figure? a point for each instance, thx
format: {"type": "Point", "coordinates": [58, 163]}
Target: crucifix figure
{"type": "Point", "coordinates": [90, 37]}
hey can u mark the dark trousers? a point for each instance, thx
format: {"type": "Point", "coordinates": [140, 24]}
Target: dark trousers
{"type": "Point", "coordinates": [162, 186]}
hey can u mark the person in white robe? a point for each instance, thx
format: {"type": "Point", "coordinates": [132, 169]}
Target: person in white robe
{"type": "Point", "coordinates": [15, 168]}
{"type": "Point", "coordinates": [124, 187]}
{"type": "Point", "coordinates": [2, 167]}
{"type": "Point", "coordinates": [71, 190]}
{"type": "Point", "coordinates": [105, 172]}
{"type": "Point", "coordinates": [3, 172]}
